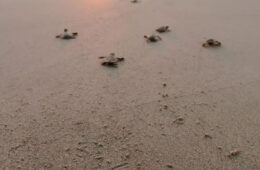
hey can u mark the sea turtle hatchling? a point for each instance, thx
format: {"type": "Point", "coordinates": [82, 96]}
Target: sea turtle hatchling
{"type": "Point", "coordinates": [134, 1]}
{"type": "Point", "coordinates": [152, 38]}
{"type": "Point", "coordinates": [67, 36]}
{"type": "Point", "coordinates": [163, 29]}
{"type": "Point", "coordinates": [211, 43]}
{"type": "Point", "coordinates": [111, 60]}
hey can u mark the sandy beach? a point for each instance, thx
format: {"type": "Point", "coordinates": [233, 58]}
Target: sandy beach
{"type": "Point", "coordinates": [61, 110]}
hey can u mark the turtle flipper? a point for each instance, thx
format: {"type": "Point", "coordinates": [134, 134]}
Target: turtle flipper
{"type": "Point", "coordinates": [205, 45]}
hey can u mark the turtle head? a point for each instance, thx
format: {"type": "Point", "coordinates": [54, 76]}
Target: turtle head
{"type": "Point", "coordinates": [167, 27]}
{"type": "Point", "coordinates": [65, 30]}
{"type": "Point", "coordinates": [146, 36]}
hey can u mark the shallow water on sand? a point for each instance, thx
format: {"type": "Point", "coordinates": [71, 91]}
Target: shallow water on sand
{"type": "Point", "coordinates": [30, 53]}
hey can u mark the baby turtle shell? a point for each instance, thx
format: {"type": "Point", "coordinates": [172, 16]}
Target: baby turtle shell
{"type": "Point", "coordinates": [134, 1]}
{"type": "Point", "coordinates": [111, 60]}
{"type": "Point", "coordinates": [152, 38]}
{"type": "Point", "coordinates": [67, 36]}
{"type": "Point", "coordinates": [163, 29]}
{"type": "Point", "coordinates": [211, 43]}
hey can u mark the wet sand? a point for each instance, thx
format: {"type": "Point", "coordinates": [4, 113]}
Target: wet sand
{"type": "Point", "coordinates": [60, 109]}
